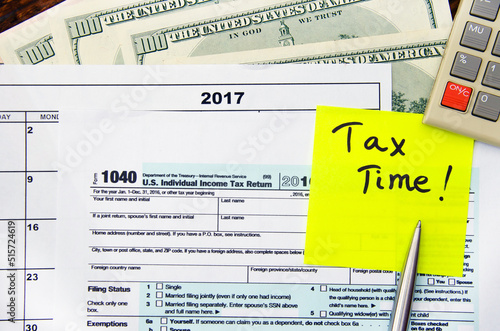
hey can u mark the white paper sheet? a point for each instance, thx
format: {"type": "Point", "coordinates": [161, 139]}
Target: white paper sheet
{"type": "Point", "coordinates": [211, 208]}
{"type": "Point", "coordinates": [175, 214]}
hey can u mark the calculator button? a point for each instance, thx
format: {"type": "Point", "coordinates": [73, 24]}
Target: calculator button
{"type": "Point", "coordinates": [456, 96]}
{"type": "Point", "coordinates": [476, 36]}
{"type": "Point", "coordinates": [465, 66]}
{"type": "Point", "coordinates": [496, 46]}
{"type": "Point", "coordinates": [486, 9]}
{"type": "Point", "coordinates": [487, 106]}
{"type": "Point", "coordinates": [492, 75]}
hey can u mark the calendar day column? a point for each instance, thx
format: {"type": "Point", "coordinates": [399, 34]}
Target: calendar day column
{"type": "Point", "coordinates": [13, 183]}
{"type": "Point", "coordinates": [40, 226]}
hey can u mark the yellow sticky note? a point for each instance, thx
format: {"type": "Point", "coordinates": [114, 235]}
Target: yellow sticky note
{"type": "Point", "coordinates": [375, 174]}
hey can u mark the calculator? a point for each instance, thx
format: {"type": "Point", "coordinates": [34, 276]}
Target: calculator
{"type": "Point", "coordinates": [466, 94]}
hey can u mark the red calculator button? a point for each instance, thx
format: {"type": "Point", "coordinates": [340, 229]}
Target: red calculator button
{"type": "Point", "coordinates": [456, 96]}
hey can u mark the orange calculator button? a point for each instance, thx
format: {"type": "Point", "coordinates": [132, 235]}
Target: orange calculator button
{"type": "Point", "coordinates": [456, 96]}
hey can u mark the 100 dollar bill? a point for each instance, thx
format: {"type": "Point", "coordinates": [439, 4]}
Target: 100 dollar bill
{"type": "Point", "coordinates": [32, 41]}
{"type": "Point", "coordinates": [415, 58]}
{"type": "Point", "coordinates": [85, 34]}
{"type": "Point", "coordinates": [240, 26]}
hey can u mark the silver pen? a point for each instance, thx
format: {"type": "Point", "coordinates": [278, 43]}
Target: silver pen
{"type": "Point", "coordinates": [404, 295]}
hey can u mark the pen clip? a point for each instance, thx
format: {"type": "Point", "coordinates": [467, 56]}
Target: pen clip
{"type": "Point", "coordinates": [404, 295]}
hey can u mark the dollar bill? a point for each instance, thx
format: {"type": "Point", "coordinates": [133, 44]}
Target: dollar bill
{"type": "Point", "coordinates": [85, 34]}
{"type": "Point", "coordinates": [415, 58]}
{"type": "Point", "coordinates": [248, 25]}
{"type": "Point", "coordinates": [32, 41]}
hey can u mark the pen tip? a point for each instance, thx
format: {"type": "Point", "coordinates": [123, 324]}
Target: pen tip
{"type": "Point", "coordinates": [418, 224]}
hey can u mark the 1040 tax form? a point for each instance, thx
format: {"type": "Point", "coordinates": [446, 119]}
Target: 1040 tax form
{"type": "Point", "coordinates": [182, 202]}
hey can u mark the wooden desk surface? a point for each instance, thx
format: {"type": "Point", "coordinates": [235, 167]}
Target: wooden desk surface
{"type": "Point", "coordinates": [13, 12]}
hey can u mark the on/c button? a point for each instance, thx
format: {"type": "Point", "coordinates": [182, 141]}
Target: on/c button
{"type": "Point", "coordinates": [456, 96]}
